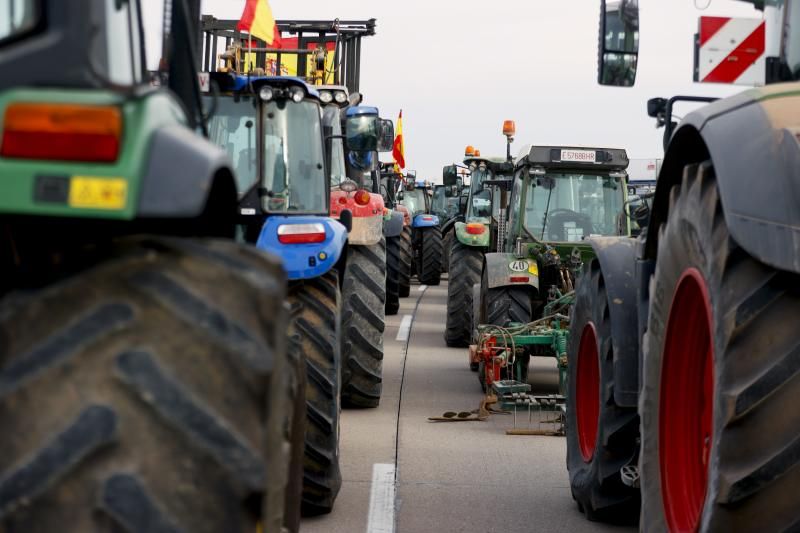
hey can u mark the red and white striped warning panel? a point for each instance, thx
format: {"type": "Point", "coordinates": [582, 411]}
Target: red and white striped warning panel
{"type": "Point", "coordinates": [731, 50]}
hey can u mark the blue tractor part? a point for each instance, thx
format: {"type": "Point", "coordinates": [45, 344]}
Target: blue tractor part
{"type": "Point", "coordinates": [425, 221]}
{"type": "Point", "coordinates": [308, 247]}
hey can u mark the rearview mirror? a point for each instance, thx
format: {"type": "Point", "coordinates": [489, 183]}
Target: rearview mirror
{"type": "Point", "coordinates": [449, 175]}
{"type": "Point", "coordinates": [618, 47]}
{"type": "Point", "coordinates": [362, 133]}
{"type": "Point", "coordinates": [385, 135]}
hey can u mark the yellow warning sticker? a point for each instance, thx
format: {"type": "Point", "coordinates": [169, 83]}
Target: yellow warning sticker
{"type": "Point", "coordinates": [533, 268]}
{"type": "Point", "coordinates": [98, 193]}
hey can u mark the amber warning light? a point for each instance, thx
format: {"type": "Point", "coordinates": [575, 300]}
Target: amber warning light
{"type": "Point", "coordinates": [66, 132]}
{"type": "Point", "coordinates": [509, 128]}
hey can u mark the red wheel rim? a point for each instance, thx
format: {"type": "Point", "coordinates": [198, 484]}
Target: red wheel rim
{"type": "Point", "coordinates": [587, 392]}
{"type": "Point", "coordinates": [686, 404]}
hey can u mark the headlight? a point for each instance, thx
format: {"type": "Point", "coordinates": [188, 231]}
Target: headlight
{"type": "Point", "coordinates": [297, 94]}
{"type": "Point", "coordinates": [265, 94]}
{"type": "Point", "coordinates": [326, 97]}
{"type": "Point", "coordinates": [341, 97]}
{"type": "Point", "coordinates": [348, 185]}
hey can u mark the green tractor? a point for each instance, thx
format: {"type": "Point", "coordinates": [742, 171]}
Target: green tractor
{"type": "Point", "coordinates": [448, 203]}
{"type": "Point", "coordinates": [474, 234]}
{"type": "Point", "coordinates": [144, 376]}
{"type": "Point", "coordinates": [559, 197]}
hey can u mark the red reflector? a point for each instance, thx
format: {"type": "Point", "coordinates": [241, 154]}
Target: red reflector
{"type": "Point", "coordinates": [342, 200]}
{"type": "Point", "coordinates": [362, 197]}
{"type": "Point", "coordinates": [519, 279]}
{"type": "Point", "coordinates": [474, 228]}
{"type": "Point", "coordinates": [425, 217]}
{"type": "Point", "coordinates": [61, 132]}
{"type": "Point", "coordinates": [301, 233]}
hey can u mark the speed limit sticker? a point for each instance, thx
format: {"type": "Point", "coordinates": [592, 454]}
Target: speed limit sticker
{"type": "Point", "coordinates": [518, 266]}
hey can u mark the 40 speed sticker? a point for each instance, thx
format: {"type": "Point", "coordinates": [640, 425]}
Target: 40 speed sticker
{"type": "Point", "coordinates": [518, 265]}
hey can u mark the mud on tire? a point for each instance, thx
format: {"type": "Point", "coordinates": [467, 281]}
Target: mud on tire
{"type": "Point", "coordinates": [314, 328]}
{"type": "Point", "coordinates": [595, 481]}
{"type": "Point", "coordinates": [465, 272]}
{"type": "Point", "coordinates": [753, 455]}
{"type": "Point", "coordinates": [137, 390]}
{"type": "Point", "coordinates": [363, 322]}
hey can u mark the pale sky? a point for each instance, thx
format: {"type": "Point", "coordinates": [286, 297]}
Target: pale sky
{"type": "Point", "coordinates": [458, 68]}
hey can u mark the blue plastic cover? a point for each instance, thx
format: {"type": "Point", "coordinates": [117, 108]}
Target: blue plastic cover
{"type": "Point", "coordinates": [425, 221]}
{"type": "Point", "coordinates": [361, 110]}
{"type": "Point", "coordinates": [304, 261]}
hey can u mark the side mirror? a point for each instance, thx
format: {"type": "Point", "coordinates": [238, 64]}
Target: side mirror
{"type": "Point", "coordinates": [346, 219]}
{"type": "Point", "coordinates": [362, 133]}
{"type": "Point", "coordinates": [618, 47]}
{"type": "Point", "coordinates": [386, 135]}
{"type": "Point", "coordinates": [449, 175]}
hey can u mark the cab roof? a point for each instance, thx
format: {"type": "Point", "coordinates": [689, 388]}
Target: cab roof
{"type": "Point", "coordinates": [230, 82]}
{"type": "Point", "coordinates": [575, 157]}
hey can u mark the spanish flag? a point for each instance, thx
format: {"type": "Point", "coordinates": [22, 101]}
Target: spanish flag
{"type": "Point", "coordinates": [398, 149]}
{"type": "Point", "coordinates": [257, 20]}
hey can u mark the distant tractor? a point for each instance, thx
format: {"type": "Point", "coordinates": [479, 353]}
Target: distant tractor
{"type": "Point", "coordinates": [399, 249]}
{"type": "Point", "coordinates": [560, 196]}
{"type": "Point", "coordinates": [684, 398]}
{"type": "Point", "coordinates": [447, 204]}
{"type": "Point", "coordinates": [426, 236]}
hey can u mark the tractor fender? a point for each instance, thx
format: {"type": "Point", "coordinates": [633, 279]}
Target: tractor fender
{"type": "Point", "coordinates": [450, 224]}
{"type": "Point", "coordinates": [481, 240]}
{"type": "Point", "coordinates": [751, 140]}
{"type": "Point", "coordinates": [425, 221]}
{"type": "Point", "coordinates": [500, 268]}
{"type": "Point", "coordinates": [393, 227]}
{"type": "Point", "coordinates": [617, 257]}
{"type": "Point", "coordinates": [366, 231]}
{"type": "Point", "coordinates": [307, 260]}
{"type": "Point", "coordinates": [181, 170]}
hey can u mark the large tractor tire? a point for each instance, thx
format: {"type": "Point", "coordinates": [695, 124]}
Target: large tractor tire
{"type": "Point", "coordinates": [363, 322]}
{"type": "Point", "coordinates": [406, 256]}
{"type": "Point", "coordinates": [465, 272]}
{"type": "Point", "coordinates": [447, 246]}
{"type": "Point", "coordinates": [719, 403]}
{"type": "Point", "coordinates": [393, 268]}
{"type": "Point", "coordinates": [430, 256]}
{"type": "Point", "coordinates": [314, 306]}
{"type": "Point", "coordinates": [601, 436]}
{"type": "Point", "coordinates": [501, 306]}
{"type": "Point", "coordinates": [151, 392]}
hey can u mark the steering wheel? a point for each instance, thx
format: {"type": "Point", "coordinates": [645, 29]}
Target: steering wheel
{"type": "Point", "coordinates": [571, 215]}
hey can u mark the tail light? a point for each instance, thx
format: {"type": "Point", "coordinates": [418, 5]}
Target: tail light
{"type": "Point", "coordinates": [362, 197]}
{"type": "Point", "coordinates": [475, 228]}
{"type": "Point", "coordinates": [427, 218]}
{"type": "Point", "coordinates": [301, 233]}
{"type": "Point", "coordinates": [66, 132]}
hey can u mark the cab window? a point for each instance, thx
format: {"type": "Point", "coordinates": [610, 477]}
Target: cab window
{"type": "Point", "coordinates": [18, 17]}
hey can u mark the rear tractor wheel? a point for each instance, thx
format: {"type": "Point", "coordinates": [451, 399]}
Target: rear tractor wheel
{"type": "Point", "coordinates": [430, 260]}
{"type": "Point", "coordinates": [465, 272]}
{"type": "Point", "coordinates": [393, 269]}
{"type": "Point", "coordinates": [405, 265]}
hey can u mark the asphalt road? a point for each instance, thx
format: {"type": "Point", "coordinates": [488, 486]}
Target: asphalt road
{"type": "Point", "coordinates": [403, 473]}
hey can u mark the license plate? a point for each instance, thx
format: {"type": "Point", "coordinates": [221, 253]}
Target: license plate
{"type": "Point", "coordinates": [98, 193]}
{"type": "Point", "coordinates": [518, 266]}
{"type": "Point", "coordinates": [579, 156]}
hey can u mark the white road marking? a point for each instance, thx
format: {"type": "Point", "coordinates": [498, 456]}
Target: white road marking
{"type": "Point", "coordinates": [381, 499]}
{"type": "Point", "coordinates": [405, 328]}
{"type": "Point", "coordinates": [422, 288]}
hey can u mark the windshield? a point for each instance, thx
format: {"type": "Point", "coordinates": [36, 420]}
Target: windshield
{"type": "Point", "coordinates": [570, 207]}
{"type": "Point", "coordinates": [414, 201]}
{"type": "Point", "coordinates": [332, 117]}
{"type": "Point", "coordinates": [17, 16]}
{"type": "Point", "coordinates": [439, 201]}
{"type": "Point", "coordinates": [232, 128]}
{"type": "Point", "coordinates": [481, 204]}
{"type": "Point", "coordinates": [294, 175]}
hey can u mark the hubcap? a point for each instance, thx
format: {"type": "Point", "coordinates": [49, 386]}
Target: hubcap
{"type": "Point", "coordinates": [686, 404]}
{"type": "Point", "coordinates": [587, 392]}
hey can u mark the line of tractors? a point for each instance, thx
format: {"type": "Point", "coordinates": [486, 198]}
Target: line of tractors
{"type": "Point", "coordinates": [669, 312]}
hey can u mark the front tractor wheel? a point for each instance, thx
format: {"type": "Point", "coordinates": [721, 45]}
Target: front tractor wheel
{"type": "Point", "coordinates": [363, 322]}
{"type": "Point", "coordinates": [429, 263]}
{"type": "Point", "coordinates": [719, 409]}
{"type": "Point", "coordinates": [601, 436]}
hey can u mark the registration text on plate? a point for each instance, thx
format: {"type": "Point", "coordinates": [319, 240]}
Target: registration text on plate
{"type": "Point", "coordinates": [579, 156]}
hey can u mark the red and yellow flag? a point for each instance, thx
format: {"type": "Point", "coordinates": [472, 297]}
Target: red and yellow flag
{"type": "Point", "coordinates": [257, 20]}
{"type": "Point", "coordinates": [398, 149]}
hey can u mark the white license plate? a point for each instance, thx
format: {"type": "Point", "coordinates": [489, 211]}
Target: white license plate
{"type": "Point", "coordinates": [579, 156]}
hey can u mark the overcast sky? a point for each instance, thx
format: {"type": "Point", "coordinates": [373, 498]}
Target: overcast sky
{"type": "Point", "coordinates": [458, 68]}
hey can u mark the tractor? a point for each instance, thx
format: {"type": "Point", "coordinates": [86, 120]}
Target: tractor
{"type": "Point", "coordinates": [683, 401]}
{"type": "Point", "coordinates": [145, 381]}
{"type": "Point", "coordinates": [447, 203]}
{"type": "Point", "coordinates": [399, 247]}
{"type": "Point", "coordinates": [426, 236]}
{"type": "Point", "coordinates": [274, 129]}
{"type": "Point", "coordinates": [476, 232]}
{"type": "Point", "coordinates": [560, 195]}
